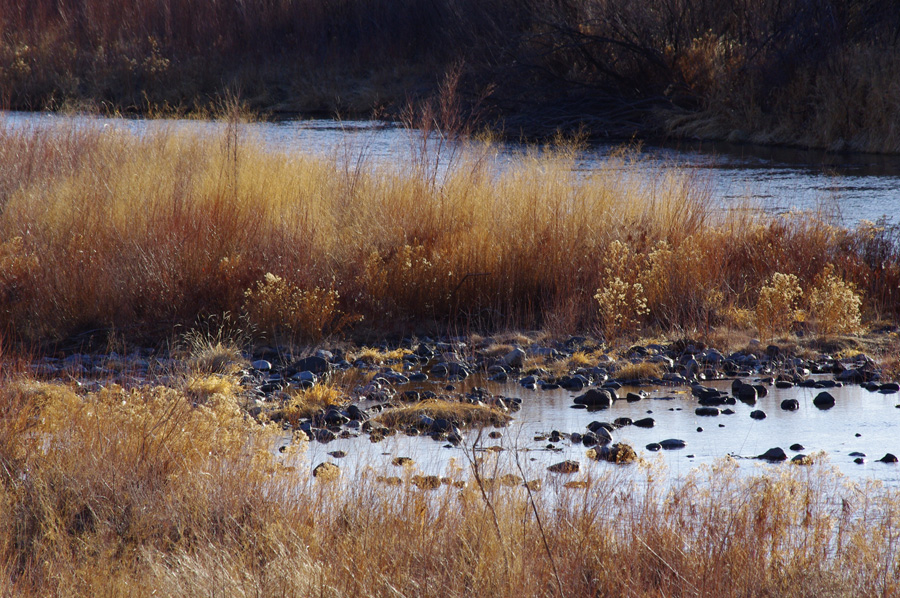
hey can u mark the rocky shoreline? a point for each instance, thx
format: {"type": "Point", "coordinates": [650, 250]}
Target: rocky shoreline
{"type": "Point", "coordinates": [441, 387]}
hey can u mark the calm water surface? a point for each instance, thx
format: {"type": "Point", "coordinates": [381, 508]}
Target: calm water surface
{"type": "Point", "coordinates": [860, 422]}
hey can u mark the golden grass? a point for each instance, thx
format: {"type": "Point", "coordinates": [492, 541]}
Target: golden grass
{"type": "Point", "coordinates": [308, 402]}
{"type": "Point", "coordinates": [459, 413]}
{"type": "Point", "coordinates": [140, 493]}
{"type": "Point", "coordinates": [105, 230]}
{"type": "Point", "coordinates": [639, 371]}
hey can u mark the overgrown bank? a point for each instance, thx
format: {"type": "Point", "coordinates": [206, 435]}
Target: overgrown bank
{"type": "Point", "coordinates": [104, 232]}
{"type": "Point", "coordinates": [172, 491]}
{"type": "Point", "coordinates": [815, 73]}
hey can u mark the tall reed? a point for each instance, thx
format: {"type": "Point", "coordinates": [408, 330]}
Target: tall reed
{"type": "Point", "coordinates": [106, 230]}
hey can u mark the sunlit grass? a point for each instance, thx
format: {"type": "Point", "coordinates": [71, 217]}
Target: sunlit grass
{"type": "Point", "coordinates": [147, 492]}
{"type": "Point", "coordinates": [105, 230]}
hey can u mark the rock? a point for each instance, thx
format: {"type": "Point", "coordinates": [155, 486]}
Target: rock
{"type": "Point", "coordinates": [338, 454]}
{"type": "Point", "coordinates": [621, 422]}
{"type": "Point", "coordinates": [314, 364]}
{"type": "Point", "coordinates": [596, 397]}
{"type": "Point", "coordinates": [889, 388]}
{"type": "Point", "coordinates": [514, 359]}
{"type": "Point", "coordinates": [707, 411]}
{"type": "Point", "coordinates": [790, 404]}
{"type": "Point", "coordinates": [797, 447]}
{"type": "Point", "coordinates": [564, 467]}
{"type": "Point", "coordinates": [758, 414]}
{"type": "Point", "coordinates": [574, 383]}
{"type": "Point", "coordinates": [426, 482]}
{"type": "Point", "coordinates": [824, 400]}
{"type": "Point", "coordinates": [747, 394]}
{"type": "Point", "coordinates": [654, 446]}
{"type": "Point", "coordinates": [672, 444]}
{"type": "Point", "coordinates": [619, 453]}
{"type": "Point", "coordinates": [801, 460]}
{"type": "Point", "coordinates": [261, 365]}
{"type": "Point", "coordinates": [326, 471]}
{"type": "Point", "coordinates": [402, 462]}
{"type": "Point", "coordinates": [761, 391]}
{"type": "Point", "coordinates": [888, 458]}
{"type": "Point", "coordinates": [323, 435]}
{"type": "Point", "coordinates": [773, 454]}
{"type": "Point", "coordinates": [647, 422]}
{"type": "Point", "coordinates": [633, 397]}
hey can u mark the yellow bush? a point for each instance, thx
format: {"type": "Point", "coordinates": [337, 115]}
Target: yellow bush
{"type": "Point", "coordinates": [621, 300]}
{"type": "Point", "coordinates": [284, 309]}
{"type": "Point", "coordinates": [834, 304]}
{"type": "Point", "coordinates": [776, 308]}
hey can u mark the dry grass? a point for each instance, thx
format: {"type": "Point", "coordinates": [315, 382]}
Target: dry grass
{"type": "Point", "coordinates": [639, 371]}
{"type": "Point", "coordinates": [457, 412]}
{"type": "Point", "coordinates": [143, 493]}
{"type": "Point", "coordinates": [308, 402]}
{"type": "Point", "coordinates": [134, 236]}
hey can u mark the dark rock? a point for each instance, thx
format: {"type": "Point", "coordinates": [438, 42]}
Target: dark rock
{"type": "Point", "coordinates": [654, 446]}
{"type": "Point", "coordinates": [888, 458]}
{"type": "Point", "coordinates": [747, 394]}
{"type": "Point", "coordinates": [596, 397]}
{"type": "Point", "coordinates": [797, 447]}
{"type": "Point", "coordinates": [782, 384]}
{"type": "Point", "coordinates": [323, 435]}
{"type": "Point", "coordinates": [707, 411]}
{"type": "Point", "coordinates": [672, 444]}
{"type": "Point", "coordinates": [758, 414]}
{"type": "Point", "coordinates": [824, 400]}
{"type": "Point", "coordinates": [314, 364]}
{"type": "Point", "coordinates": [616, 453]}
{"type": "Point", "coordinates": [773, 454]}
{"type": "Point", "coordinates": [761, 391]}
{"type": "Point", "coordinates": [647, 422]}
{"type": "Point", "coordinates": [633, 397]}
{"type": "Point", "coordinates": [565, 467]}
{"type": "Point", "coordinates": [621, 422]}
{"type": "Point", "coordinates": [790, 404]}
{"type": "Point", "coordinates": [860, 460]}
{"type": "Point", "coordinates": [889, 388]}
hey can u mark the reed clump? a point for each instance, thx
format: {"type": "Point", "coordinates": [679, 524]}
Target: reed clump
{"type": "Point", "coordinates": [144, 492]}
{"type": "Point", "coordinates": [142, 235]}
{"type": "Point", "coordinates": [457, 412]}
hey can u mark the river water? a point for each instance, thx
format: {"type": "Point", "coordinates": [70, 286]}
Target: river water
{"type": "Point", "coordinates": [848, 187]}
{"type": "Point", "coordinates": [861, 423]}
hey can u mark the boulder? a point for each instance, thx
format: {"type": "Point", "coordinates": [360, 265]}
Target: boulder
{"type": "Point", "coordinates": [790, 404]}
{"type": "Point", "coordinates": [824, 400]}
{"type": "Point", "coordinates": [514, 359]}
{"type": "Point", "coordinates": [316, 365]}
{"type": "Point", "coordinates": [647, 422]}
{"type": "Point", "coordinates": [672, 444]}
{"type": "Point", "coordinates": [596, 397]}
{"type": "Point", "coordinates": [707, 411]}
{"type": "Point", "coordinates": [773, 454]}
{"type": "Point", "coordinates": [758, 414]}
{"type": "Point", "coordinates": [564, 467]}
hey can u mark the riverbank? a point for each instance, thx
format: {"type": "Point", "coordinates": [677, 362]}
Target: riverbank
{"type": "Point", "coordinates": [809, 74]}
{"type": "Point", "coordinates": [191, 472]}
{"type": "Point", "coordinates": [111, 236]}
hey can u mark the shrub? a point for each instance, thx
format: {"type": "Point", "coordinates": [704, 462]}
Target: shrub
{"type": "Point", "coordinates": [834, 304]}
{"type": "Point", "coordinates": [621, 300]}
{"type": "Point", "coordinates": [285, 310]}
{"type": "Point", "coordinates": [776, 308]}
